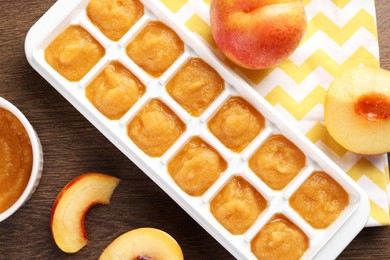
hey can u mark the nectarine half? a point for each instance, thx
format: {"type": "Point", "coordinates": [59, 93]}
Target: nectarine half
{"type": "Point", "coordinates": [357, 110]}
{"type": "Point", "coordinates": [143, 244]}
{"type": "Point", "coordinates": [71, 205]}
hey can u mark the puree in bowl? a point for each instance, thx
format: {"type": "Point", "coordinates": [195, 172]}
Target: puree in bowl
{"type": "Point", "coordinates": [15, 159]}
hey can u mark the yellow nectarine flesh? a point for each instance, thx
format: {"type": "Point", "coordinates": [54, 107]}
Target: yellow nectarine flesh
{"type": "Point", "coordinates": [143, 244]}
{"type": "Point", "coordinates": [71, 205]}
{"type": "Point", "coordinates": [357, 110]}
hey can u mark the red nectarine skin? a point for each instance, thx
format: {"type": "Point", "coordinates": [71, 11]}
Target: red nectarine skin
{"type": "Point", "coordinates": [59, 196]}
{"type": "Point", "coordinates": [257, 34]}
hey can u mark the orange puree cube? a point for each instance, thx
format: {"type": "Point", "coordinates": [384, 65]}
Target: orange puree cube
{"type": "Point", "coordinates": [155, 48]}
{"type": "Point", "coordinates": [114, 91]}
{"type": "Point", "coordinates": [195, 86]}
{"type": "Point", "coordinates": [155, 128]}
{"type": "Point", "coordinates": [236, 124]}
{"type": "Point", "coordinates": [277, 162]}
{"type": "Point", "coordinates": [73, 53]}
{"type": "Point", "coordinates": [280, 239]}
{"type": "Point", "coordinates": [196, 167]}
{"type": "Point", "coordinates": [237, 206]}
{"type": "Point", "coordinates": [319, 200]}
{"type": "Point", "coordinates": [114, 17]}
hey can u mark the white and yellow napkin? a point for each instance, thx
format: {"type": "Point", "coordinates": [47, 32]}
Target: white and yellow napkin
{"type": "Point", "coordinates": [340, 34]}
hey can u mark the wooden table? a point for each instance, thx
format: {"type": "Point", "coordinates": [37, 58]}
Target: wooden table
{"type": "Point", "coordinates": [72, 146]}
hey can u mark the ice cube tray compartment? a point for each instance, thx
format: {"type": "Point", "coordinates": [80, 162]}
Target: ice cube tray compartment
{"type": "Point", "coordinates": [156, 168]}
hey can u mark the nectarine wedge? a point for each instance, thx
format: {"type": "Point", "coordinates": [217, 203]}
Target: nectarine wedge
{"type": "Point", "coordinates": [357, 110]}
{"type": "Point", "coordinates": [71, 205]}
{"type": "Point", "coordinates": [143, 244]}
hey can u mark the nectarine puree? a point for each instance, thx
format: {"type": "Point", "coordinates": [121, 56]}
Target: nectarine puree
{"type": "Point", "coordinates": [73, 53]}
{"type": "Point", "coordinates": [236, 124]}
{"type": "Point", "coordinates": [155, 128]}
{"type": "Point", "coordinates": [280, 239]}
{"type": "Point", "coordinates": [277, 162]}
{"type": "Point", "coordinates": [196, 167]}
{"type": "Point", "coordinates": [319, 200]}
{"type": "Point", "coordinates": [114, 91]}
{"type": "Point", "coordinates": [155, 48]}
{"type": "Point", "coordinates": [15, 159]}
{"type": "Point", "coordinates": [237, 206]}
{"type": "Point", "coordinates": [114, 17]}
{"type": "Point", "coordinates": [373, 106]}
{"type": "Point", "coordinates": [195, 86]}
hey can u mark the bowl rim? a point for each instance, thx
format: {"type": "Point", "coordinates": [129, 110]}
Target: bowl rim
{"type": "Point", "coordinates": [36, 169]}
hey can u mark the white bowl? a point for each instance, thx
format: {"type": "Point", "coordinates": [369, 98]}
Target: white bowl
{"type": "Point", "coordinates": [37, 165]}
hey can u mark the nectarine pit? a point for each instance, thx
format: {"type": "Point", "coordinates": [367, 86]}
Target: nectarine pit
{"type": "Point", "coordinates": [143, 258]}
{"type": "Point", "coordinates": [373, 107]}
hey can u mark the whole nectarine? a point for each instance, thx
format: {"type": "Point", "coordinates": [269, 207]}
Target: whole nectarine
{"type": "Point", "coordinates": [257, 34]}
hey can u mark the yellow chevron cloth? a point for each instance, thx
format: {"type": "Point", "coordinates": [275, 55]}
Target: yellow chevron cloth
{"type": "Point", "coordinates": [340, 34]}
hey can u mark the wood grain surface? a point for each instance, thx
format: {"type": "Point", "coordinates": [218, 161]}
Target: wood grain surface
{"type": "Point", "coordinates": [72, 146]}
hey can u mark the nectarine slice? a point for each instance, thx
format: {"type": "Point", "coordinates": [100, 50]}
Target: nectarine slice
{"type": "Point", "coordinates": [357, 110]}
{"type": "Point", "coordinates": [143, 244]}
{"type": "Point", "coordinates": [71, 205]}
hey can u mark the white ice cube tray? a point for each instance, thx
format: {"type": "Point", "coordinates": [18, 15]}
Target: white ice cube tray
{"type": "Point", "coordinates": [323, 244]}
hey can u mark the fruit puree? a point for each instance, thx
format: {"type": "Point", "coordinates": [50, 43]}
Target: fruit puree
{"type": "Point", "coordinates": [15, 159]}
{"type": "Point", "coordinates": [279, 239]}
{"type": "Point", "coordinates": [155, 48]}
{"type": "Point", "coordinates": [236, 124]}
{"type": "Point", "coordinates": [277, 162]}
{"type": "Point", "coordinates": [237, 206]}
{"type": "Point", "coordinates": [155, 128]}
{"type": "Point", "coordinates": [195, 86]}
{"type": "Point", "coordinates": [196, 167]}
{"type": "Point", "coordinates": [319, 200]}
{"type": "Point", "coordinates": [114, 17]}
{"type": "Point", "coordinates": [114, 91]}
{"type": "Point", "coordinates": [73, 53]}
